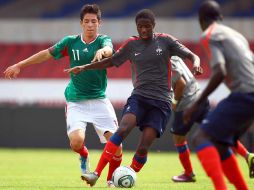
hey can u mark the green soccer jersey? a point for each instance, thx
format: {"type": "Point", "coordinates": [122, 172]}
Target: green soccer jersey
{"type": "Point", "coordinates": [89, 84]}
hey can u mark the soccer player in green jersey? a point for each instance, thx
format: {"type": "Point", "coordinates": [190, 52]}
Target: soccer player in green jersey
{"type": "Point", "coordinates": [85, 93]}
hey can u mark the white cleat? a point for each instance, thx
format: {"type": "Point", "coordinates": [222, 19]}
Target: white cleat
{"type": "Point", "coordinates": [110, 184]}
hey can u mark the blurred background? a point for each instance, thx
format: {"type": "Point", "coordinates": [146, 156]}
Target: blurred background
{"type": "Point", "coordinates": [32, 106]}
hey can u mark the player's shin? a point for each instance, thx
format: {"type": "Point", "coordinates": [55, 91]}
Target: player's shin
{"type": "Point", "coordinates": [232, 172]}
{"type": "Point", "coordinates": [240, 149]}
{"type": "Point", "coordinates": [113, 164]}
{"type": "Point", "coordinates": [138, 162]}
{"type": "Point", "coordinates": [184, 156]}
{"type": "Point", "coordinates": [210, 160]}
{"type": "Point", "coordinates": [108, 152]}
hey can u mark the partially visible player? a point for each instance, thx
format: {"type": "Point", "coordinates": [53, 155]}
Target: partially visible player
{"type": "Point", "coordinates": [85, 94]}
{"type": "Point", "coordinates": [149, 106]}
{"type": "Point", "coordinates": [186, 91]}
{"type": "Point", "coordinates": [232, 62]}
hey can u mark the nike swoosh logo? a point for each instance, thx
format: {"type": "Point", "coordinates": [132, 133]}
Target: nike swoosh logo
{"type": "Point", "coordinates": [136, 54]}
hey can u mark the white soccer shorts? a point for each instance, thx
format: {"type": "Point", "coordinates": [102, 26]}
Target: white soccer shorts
{"type": "Point", "coordinates": [99, 112]}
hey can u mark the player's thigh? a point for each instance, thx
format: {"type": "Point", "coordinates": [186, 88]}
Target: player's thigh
{"type": "Point", "coordinates": [76, 119]}
{"type": "Point", "coordinates": [104, 118]}
{"type": "Point", "coordinates": [156, 118]}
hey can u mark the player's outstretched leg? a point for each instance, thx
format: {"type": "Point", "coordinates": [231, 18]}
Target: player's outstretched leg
{"type": "Point", "coordinates": [250, 161]}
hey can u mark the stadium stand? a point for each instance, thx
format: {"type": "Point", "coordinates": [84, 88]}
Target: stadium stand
{"type": "Point", "coordinates": [120, 8]}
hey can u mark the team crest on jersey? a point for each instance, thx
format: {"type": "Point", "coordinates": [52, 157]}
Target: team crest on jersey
{"type": "Point", "coordinates": [158, 51]}
{"type": "Point", "coordinates": [85, 50]}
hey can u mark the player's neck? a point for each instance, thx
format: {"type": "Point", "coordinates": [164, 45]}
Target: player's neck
{"type": "Point", "coordinates": [89, 39]}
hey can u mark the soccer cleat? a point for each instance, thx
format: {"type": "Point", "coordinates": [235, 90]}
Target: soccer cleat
{"type": "Point", "coordinates": [84, 165]}
{"type": "Point", "coordinates": [250, 161]}
{"type": "Point", "coordinates": [90, 178]}
{"type": "Point", "coordinates": [184, 178]}
{"type": "Point", "coordinates": [110, 184]}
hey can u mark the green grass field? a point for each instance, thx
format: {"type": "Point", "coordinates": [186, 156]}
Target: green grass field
{"type": "Point", "coordinates": [32, 169]}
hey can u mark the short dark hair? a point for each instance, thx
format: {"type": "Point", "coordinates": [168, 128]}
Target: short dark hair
{"type": "Point", "coordinates": [147, 14]}
{"type": "Point", "coordinates": [93, 8]}
{"type": "Point", "coordinates": [210, 10]}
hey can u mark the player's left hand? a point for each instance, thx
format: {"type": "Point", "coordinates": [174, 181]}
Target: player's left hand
{"type": "Point", "coordinates": [99, 55]}
{"type": "Point", "coordinates": [75, 70]}
{"type": "Point", "coordinates": [197, 70]}
{"type": "Point", "coordinates": [188, 112]}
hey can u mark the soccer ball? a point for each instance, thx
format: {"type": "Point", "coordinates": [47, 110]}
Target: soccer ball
{"type": "Point", "coordinates": [124, 177]}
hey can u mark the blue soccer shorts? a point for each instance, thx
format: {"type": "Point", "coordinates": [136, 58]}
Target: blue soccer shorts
{"type": "Point", "coordinates": [230, 119]}
{"type": "Point", "coordinates": [149, 112]}
{"type": "Point", "coordinates": [179, 128]}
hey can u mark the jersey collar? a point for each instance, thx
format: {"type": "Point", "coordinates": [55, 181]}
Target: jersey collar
{"type": "Point", "coordinates": [81, 35]}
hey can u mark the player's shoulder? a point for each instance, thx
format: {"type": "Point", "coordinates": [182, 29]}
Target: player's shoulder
{"type": "Point", "coordinates": [72, 37]}
{"type": "Point", "coordinates": [215, 32]}
{"type": "Point", "coordinates": [164, 36]}
{"type": "Point", "coordinates": [103, 36]}
{"type": "Point", "coordinates": [130, 40]}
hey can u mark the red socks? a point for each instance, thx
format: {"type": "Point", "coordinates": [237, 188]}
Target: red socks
{"type": "Point", "coordinates": [113, 164]}
{"type": "Point", "coordinates": [233, 173]}
{"type": "Point", "coordinates": [210, 160]}
{"type": "Point", "coordinates": [240, 149]}
{"type": "Point", "coordinates": [108, 153]}
{"type": "Point", "coordinates": [138, 162]}
{"type": "Point", "coordinates": [184, 156]}
{"type": "Point", "coordinates": [83, 152]}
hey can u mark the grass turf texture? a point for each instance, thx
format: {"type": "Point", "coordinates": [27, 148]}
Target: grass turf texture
{"type": "Point", "coordinates": [54, 169]}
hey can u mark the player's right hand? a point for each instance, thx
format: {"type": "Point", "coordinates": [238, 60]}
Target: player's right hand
{"type": "Point", "coordinates": [75, 70]}
{"type": "Point", "coordinates": [12, 71]}
{"type": "Point", "coordinates": [99, 55]}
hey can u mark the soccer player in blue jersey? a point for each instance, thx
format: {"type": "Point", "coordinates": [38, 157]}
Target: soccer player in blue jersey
{"type": "Point", "coordinates": [85, 93]}
{"type": "Point", "coordinates": [232, 62]}
{"type": "Point", "coordinates": [149, 106]}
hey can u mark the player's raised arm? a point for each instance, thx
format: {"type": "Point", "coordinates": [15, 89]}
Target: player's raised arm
{"type": "Point", "coordinates": [183, 52]}
{"type": "Point", "coordinates": [14, 70]}
{"type": "Point", "coordinates": [103, 64]}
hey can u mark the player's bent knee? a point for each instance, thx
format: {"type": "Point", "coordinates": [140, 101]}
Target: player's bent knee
{"type": "Point", "coordinates": [77, 144]}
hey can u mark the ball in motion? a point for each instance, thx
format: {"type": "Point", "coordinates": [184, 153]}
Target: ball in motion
{"type": "Point", "coordinates": [124, 177]}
